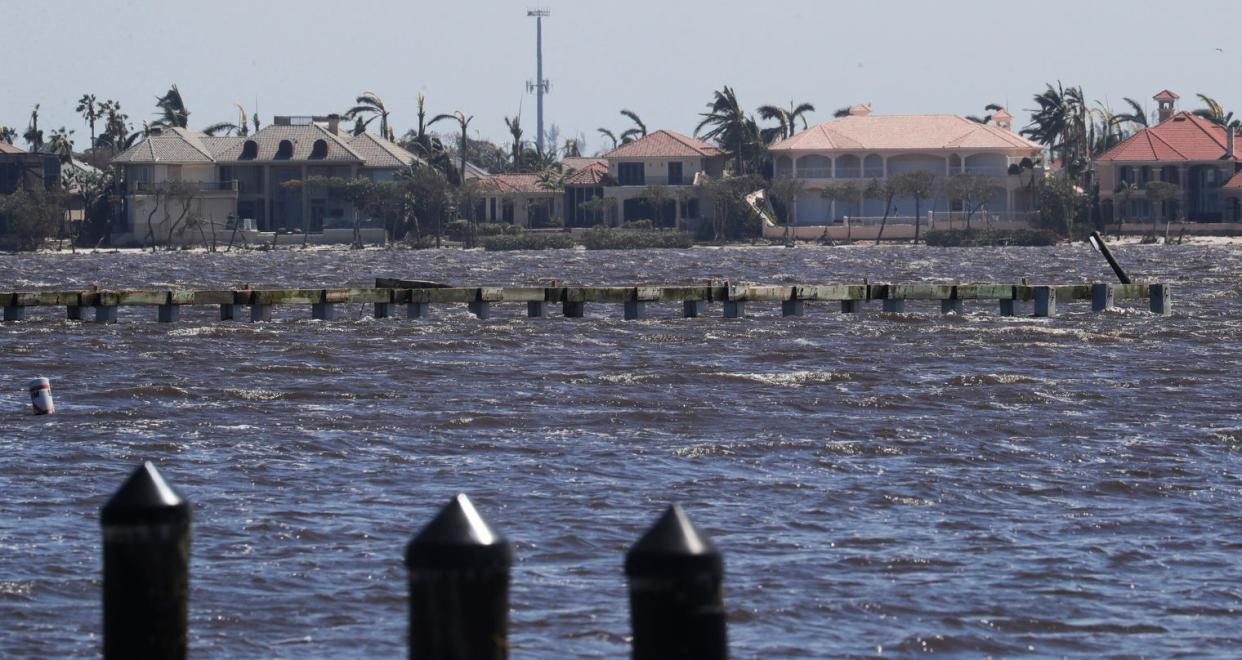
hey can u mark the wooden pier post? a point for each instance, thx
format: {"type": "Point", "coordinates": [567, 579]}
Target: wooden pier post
{"type": "Point", "coordinates": [146, 568]}
{"type": "Point", "coordinates": [951, 306]}
{"type": "Point", "coordinates": [1045, 301]}
{"type": "Point", "coordinates": [417, 310]}
{"type": "Point", "coordinates": [573, 310]}
{"type": "Point", "coordinates": [168, 313]}
{"type": "Point", "coordinates": [323, 311]}
{"type": "Point", "coordinates": [459, 587]}
{"type": "Point", "coordinates": [1161, 299]}
{"type": "Point", "coordinates": [105, 313]}
{"type": "Point", "coordinates": [734, 309]}
{"type": "Point", "coordinates": [260, 313]}
{"type": "Point", "coordinates": [676, 578]}
{"type": "Point", "coordinates": [230, 312]}
{"type": "Point", "coordinates": [635, 310]}
{"type": "Point", "coordinates": [14, 313]}
{"type": "Point", "coordinates": [481, 309]}
{"type": "Point", "coordinates": [851, 306]}
{"type": "Point", "coordinates": [793, 308]}
{"type": "Point", "coordinates": [73, 313]}
{"type": "Point", "coordinates": [536, 309]}
{"type": "Point", "coordinates": [894, 306]}
{"type": "Point", "coordinates": [382, 310]}
{"type": "Point", "coordinates": [693, 309]}
{"type": "Point", "coordinates": [1006, 306]}
{"type": "Point", "coordinates": [1101, 297]}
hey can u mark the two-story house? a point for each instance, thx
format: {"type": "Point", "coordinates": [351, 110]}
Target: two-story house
{"type": "Point", "coordinates": [672, 164]}
{"type": "Point", "coordinates": [1196, 155]}
{"type": "Point", "coordinates": [862, 146]}
{"type": "Point", "coordinates": [254, 180]}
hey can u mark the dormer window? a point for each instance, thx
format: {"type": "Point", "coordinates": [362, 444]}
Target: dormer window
{"type": "Point", "coordinates": [250, 150]}
{"type": "Point", "coordinates": [285, 150]}
{"type": "Point", "coordinates": [319, 150]}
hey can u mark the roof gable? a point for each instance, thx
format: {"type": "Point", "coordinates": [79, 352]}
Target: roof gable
{"type": "Point", "coordinates": [302, 139]}
{"type": "Point", "coordinates": [591, 175]}
{"type": "Point", "coordinates": [894, 132]}
{"type": "Point", "coordinates": [1183, 137]}
{"type": "Point", "coordinates": [378, 152]}
{"type": "Point", "coordinates": [169, 145]}
{"type": "Point", "coordinates": [514, 183]}
{"type": "Point", "coordinates": [665, 144]}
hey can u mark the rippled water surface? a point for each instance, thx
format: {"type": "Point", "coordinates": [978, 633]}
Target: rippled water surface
{"type": "Point", "coordinates": [965, 485]}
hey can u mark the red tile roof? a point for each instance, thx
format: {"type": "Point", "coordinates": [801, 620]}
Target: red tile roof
{"type": "Point", "coordinates": [6, 148]}
{"type": "Point", "coordinates": [1235, 183]}
{"type": "Point", "coordinates": [665, 144]}
{"type": "Point", "coordinates": [1165, 95]}
{"type": "Point", "coordinates": [591, 175]}
{"type": "Point", "coordinates": [1182, 137]}
{"type": "Point", "coordinates": [526, 184]}
{"type": "Point", "coordinates": [876, 132]}
{"type": "Point", "coordinates": [580, 162]}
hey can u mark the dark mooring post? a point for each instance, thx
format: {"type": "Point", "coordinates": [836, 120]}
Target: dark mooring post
{"type": "Point", "coordinates": [146, 556]}
{"type": "Point", "coordinates": [459, 587]}
{"type": "Point", "coordinates": [676, 580]}
{"type": "Point", "coordinates": [1097, 242]}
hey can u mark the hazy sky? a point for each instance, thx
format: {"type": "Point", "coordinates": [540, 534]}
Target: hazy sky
{"type": "Point", "coordinates": [661, 59]}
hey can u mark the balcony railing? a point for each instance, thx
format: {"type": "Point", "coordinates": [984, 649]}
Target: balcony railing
{"type": "Point", "coordinates": [153, 187]}
{"type": "Point", "coordinates": [683, 180]}
{"type": "Point", "coordinates": [814, 172]}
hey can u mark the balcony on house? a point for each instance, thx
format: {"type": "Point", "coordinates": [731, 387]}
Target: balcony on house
{"type": "Point", "coordinates": [197, 187]}
{"type": "Point", "coordinates": [635, 174]}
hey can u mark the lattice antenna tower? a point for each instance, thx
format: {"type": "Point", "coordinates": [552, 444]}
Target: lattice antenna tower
{"type": "Point", "coordinates": [540, 86]}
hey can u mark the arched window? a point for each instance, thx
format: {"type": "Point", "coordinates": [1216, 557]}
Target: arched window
{"type": "Point", "coordinates": [320, 150]}
{"type": "Point", "coordinates": [285, 150]}
{"type": "Point", "coordinates": [250, 150]}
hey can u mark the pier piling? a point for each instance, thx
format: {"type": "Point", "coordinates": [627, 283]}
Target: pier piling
{"type": "Point", "coordinates": [168, 313]}
{"type": "Point", "coordinates": [1006, 306]}
{"type": "Point", "coordinates": [230, 312]}
{"type": "Point", "coordinates": [382, 310]}
{"type": "Point", "coordinates": [676, 580]}
{"type": "Point", "coordinates": [1101, 297]}
{"type": "Point", "coordinates": [459, 587]}
{"type": "Point", "coordinates": [951, 306]}
{"type": "Point", "coordinates": [573, 310]}
{"type": "Point", "coordinates": [536, 309]}
{"type": "Point", "coordinates": [734, 309]}
{"type": "Point", "coordinates": [693, 309]}
{"type": "Point", "coordinates": [260, 313]}
{"type": "Point", "coordinates": [851, 306]}
{"type": "Point", "coordinates": [14, 313]}
{"type": "Point", "coordinates": [1045, 301]}
{"type": "Point", "coordinates": [73, 313]}
{"type": "Point", "coordinates": [1161, 299]}
{"type": "Point", "coordinates": [417, 310]}
{"type": "Point", "coordinates": [105, 313]}
{"type": "Point", "coordinates": [635, 310]}
{"type": "Point", "coordinates": [146, 553]}
{"type": "Point", "coordinates": [793, 308]}
{"type": "Point", "coordinates": [323, 311]}
{"type": "Point", "coordinates": [894, 307]}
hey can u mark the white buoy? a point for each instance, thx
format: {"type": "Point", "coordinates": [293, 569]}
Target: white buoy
{"type": "Point", "coordinates": [41, 396]}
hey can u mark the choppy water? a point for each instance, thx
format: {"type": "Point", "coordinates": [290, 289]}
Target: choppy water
{"type": "Point", "coordinates": [974, 485]}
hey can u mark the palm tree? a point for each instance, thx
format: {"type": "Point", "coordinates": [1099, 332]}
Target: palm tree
{"type": "Point", "coordinates": [787, 120]}
{"type": "Point", "coordinates": [986, 119]}
{"type": "Point", "coordinates": [33, 136]}
{"type": "Point", "coordinates": [515, 130]}
{"type": "Point", "coordinates": [7, 135]}
{"type": "Point", "coordinates": [61, 144]}
{"type": "Point", "coordinates": [571, 150]}
{"type": "Point", "coordinates": [638, 131]}
{"type": "Point", "coordinates": [727, 123]}
{"type": "Point", "coordinates": [1061, 123]}
{"type": "Point", "coordinates": [841, 112]}
{"type": "Point", "coordinates": [172, 110]}
{"type": "Point", "coordinates": [370, 103]}
{"type": "Point", "coordinates": [464, 123]}
{"type": "Point", "coordinates": [242, 127]}
{"type": "Point", "coordinates": [1137, 115]}
{"type": "Point", "coordinates": [608, 134]}
{"type": "Point", "coordinates": [91, 111]}
{"type": "Point", "coordinates": [1215, 113]}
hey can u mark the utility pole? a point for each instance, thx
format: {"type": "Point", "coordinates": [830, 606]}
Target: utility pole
{"type": "Point", "coordinates": [540, 86]}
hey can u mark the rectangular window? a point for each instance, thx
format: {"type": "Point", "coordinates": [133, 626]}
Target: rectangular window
{"type": "Point", "coordinates": [631, 174]}
{"type": "Point", "coordinates": [674, 174]}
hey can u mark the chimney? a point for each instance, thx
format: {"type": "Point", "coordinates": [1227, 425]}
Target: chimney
{"type": "Point", "coordinates": [334, 124]}
{"type": "Point", "coordinates": [860, 110]}
{"type": "Point", "coordinates": [1229, 148]}
{"type": "Point", "coordinates": [1003, 119]}
{"type": "Point", "coordinates": [1168, 103]}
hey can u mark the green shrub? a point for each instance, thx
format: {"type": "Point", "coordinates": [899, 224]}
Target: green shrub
{"type": "Point", "coordinates": [983, 238]}
{"type": "Point", "coordinates": [638, 224]}
{"type": "Point", "coordinates": [456, 230]}
{"type": "Point", "coordinates": [528, 241]}
{"type": "Point", "coordinates": [628, 239]}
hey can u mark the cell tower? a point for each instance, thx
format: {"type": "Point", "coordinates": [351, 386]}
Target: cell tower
{"type": "Point", "coordinates": [540, 86]}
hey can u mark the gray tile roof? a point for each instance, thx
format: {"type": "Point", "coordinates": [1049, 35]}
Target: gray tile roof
{"type": "Point", "coordinates": [172, 145]}
{"type": "Point", "coordinates": [302, 138]}
{"type": "Point", "coordinates": [378, 152]}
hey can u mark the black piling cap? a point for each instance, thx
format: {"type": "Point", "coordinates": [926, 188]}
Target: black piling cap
{"type": "Point", "coordinates": [458, 539]}
{"type": "Point", "coordinates": [145, 499]}
{"type": "Point", "coordinates": [673, 546]}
